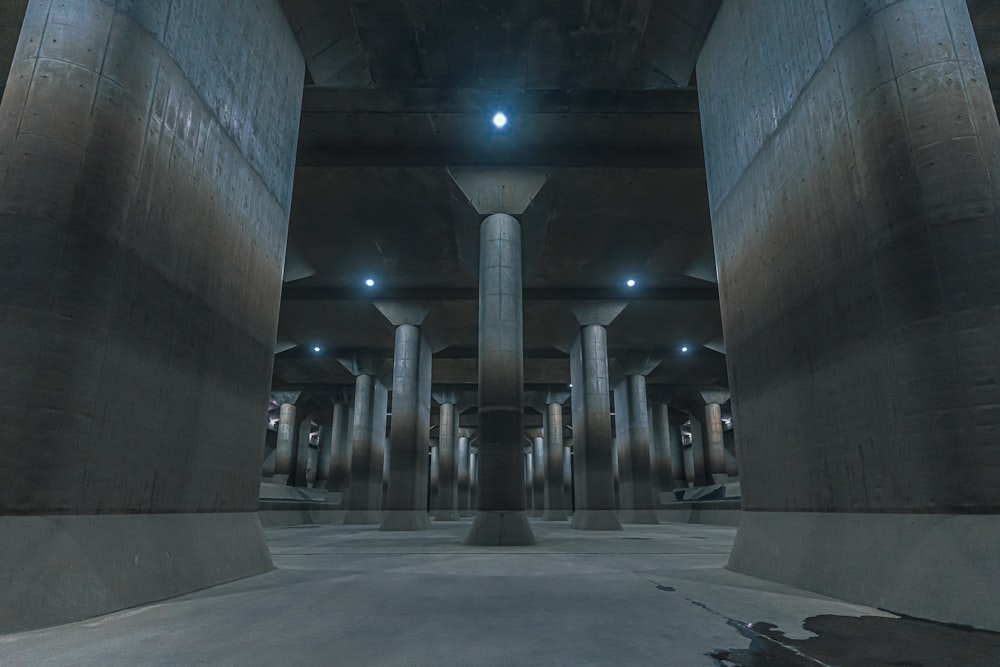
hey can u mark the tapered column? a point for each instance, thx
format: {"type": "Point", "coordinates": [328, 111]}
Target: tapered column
{"type": "Point", "coordinates": [464, 509]}
{"type": "Point", "coordinates": [592, 444]}
{"type": "Point", "coordinates": [364, 497]}
{"type": "Point", "coordinates": [447, 462]}
{"type": "Point", "coordinates": [632, 426]}
{"type": "Point", "coordinates": [286, 440]}
{"type": "Point", "coordinates": [660, 464]}
{"type": "Point", "coordinates": [555, 500]}
{"type": "Point", "coordinates": [500, 517]}
{"type": "Point", "coordinates": [406, 507]}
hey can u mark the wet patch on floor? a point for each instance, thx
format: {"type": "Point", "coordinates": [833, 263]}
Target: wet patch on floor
{"type": "Point", "coordinates": [866, 641]}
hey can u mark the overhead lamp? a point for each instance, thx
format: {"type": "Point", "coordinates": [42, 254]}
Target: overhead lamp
{"type": "Point", "coordinates": [684, 349]}
{"type": "Point", "coordinates": [317, 348]}
{"type": "Point", "coordinates": [630, 283]}
{"type": "Point", "coordinates": [369, 282]}
{"type": "Point", "coordinates": [499, 120]}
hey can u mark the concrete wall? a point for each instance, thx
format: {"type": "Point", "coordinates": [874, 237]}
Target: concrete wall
{"type": "Point", "coordinates": [850, 152]}
{"type": "Point", "coordinates": [146, 159]}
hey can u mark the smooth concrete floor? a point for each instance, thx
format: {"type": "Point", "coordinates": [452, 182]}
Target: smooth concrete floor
{"type": "Point", "coordinates": [351, 595]}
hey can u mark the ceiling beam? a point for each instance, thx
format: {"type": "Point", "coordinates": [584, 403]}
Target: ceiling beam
{"type": "Point", "coordinates": [294, 293]}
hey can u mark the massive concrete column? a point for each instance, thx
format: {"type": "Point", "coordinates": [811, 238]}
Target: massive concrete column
{"type": "Point", "coordinates": [660, 463]}
{"type": "Point", "coordinates": [364, 496]}
{"type": "Point", "coordinates": [473, 476]}
{"type": "Point", "coordinates": [695, 469]}
{"type": "Point", "coordinates": [447, 459]}
{"type": "Point", "coordinates": [592, 444]}
{"type": "Point", "coordinates": [555, 494]}
{"type": "Point", "coordinates": [853, 171]}
{"type": "Point", "coordinates": [500, 517]}
{"type": "Point", "coordinates": [144, 230]}
{"type": "Point", "coordinates": [632, 426]}
{"type": "Point", "coordinates": [285, 452]}
{"type": "Point", "coordinates": [529, 479]}
{"type": "Point", "coordinates": [462, 450]}
{"type": "Point", "coordinates": [538, 476]}
{"type": "Point", "coordinates": [406, 507]}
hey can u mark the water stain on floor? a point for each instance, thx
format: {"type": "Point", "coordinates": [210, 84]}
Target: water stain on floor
{"type": "Point", "coordinates": [866, 641]}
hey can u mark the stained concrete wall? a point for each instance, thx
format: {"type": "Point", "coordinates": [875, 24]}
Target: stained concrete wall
{"type": "Point", "coordinates": [146, 159]}
{"type": "Point", "coordinates": [850, 151]}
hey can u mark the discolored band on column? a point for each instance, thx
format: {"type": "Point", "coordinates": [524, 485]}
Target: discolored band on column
{"type": "Point", "coordinates": [406, 505]}
{"type": "Point", "coordinates": [592, 445]}
{"type": "Point", "coordinates": [500, 517]}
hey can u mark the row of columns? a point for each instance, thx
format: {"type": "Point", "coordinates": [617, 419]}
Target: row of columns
{"type": "Point", "coordinates": [501, 503]}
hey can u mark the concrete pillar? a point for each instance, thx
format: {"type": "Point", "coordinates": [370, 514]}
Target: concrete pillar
{"type": "Point", "coordinates": [364, 496]}
{"type": "Point", "coordinates": [339, 466]}
{"type": "Point", "coordinates": [447, 462]}
{"type": "Point", "coordinates": [500, 517]}
{"type": "Point", "coordinates": [324, 452]}
{"type": "Point", "coordinates": [300, 457]}
{"type": "Point", "coordinates": [568, 477]}
{"type": "Point", "coordinates": [695, 468]}
{"type": "Point", "coordinates": [538, 476]}
{"type": "Point", "coordinates": [144, 231]}
{"type": "Point", "coordinates": [555, 471]}
{"type": "Point", "coordinates": [464, 509]}
{"type": "Point", "coordinates": [432, 503]}
{"type": "Point", "coordinates": [715, 452]}
{"type": "Point", "coordinates": [286, 441]}
{"type": "Point", "coordinates": [473, 476]}
{"type": "Point", "coordinates": [406, 507]}
{"type": "Point", "coordinates": [529, 479]}
{"type": "Point", "coordinates": [853, 171]}
{"type": "Point", "coordinates": [592, 444]}
{"type": "Point", "coordinates": [632, 427]}
{"type": "Point", "coordinates": [616, 470]}
{"type": "Point", "coordinates": [269, 453]}
{"type": "Point", "coordinates": [676, 420]}
{"type": "Point", "coordinates": [660, 463]}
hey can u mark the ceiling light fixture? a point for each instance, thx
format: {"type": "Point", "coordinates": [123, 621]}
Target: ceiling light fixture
{"type": "Point", "coordinates": [499, 120]}
{"type": "Point", "coordinates": [630, 283]}
{"type": "Point", "coordinates": [684, 349]}
{"type": "Point", "coordinates": [317, 348]}
{"type": "Point", "coordinates": [369, 282]}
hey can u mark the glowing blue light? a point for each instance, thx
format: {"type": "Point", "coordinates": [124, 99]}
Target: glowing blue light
{"type": "Point", "coordinates": [684, 349]}
{"type": "Point", "coordinates": [630, 283]}
{"type": "Point", "coordinates": [499, 119]}
{"type": "Point", "coordinates": [369, 282]}
{"type": "Point", "coordinates": [317, 349]}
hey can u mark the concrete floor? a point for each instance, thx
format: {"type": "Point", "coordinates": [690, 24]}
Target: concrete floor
{"type": "Point", "coordinates": [350, 595]}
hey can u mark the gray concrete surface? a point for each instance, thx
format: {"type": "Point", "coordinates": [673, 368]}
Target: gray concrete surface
{"type": "Point", "coordinates": [859, 186]}
{"type": "Point", "coordinates": [350, 595]}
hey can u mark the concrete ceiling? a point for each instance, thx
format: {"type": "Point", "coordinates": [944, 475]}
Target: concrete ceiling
{"type": "Point", "coordinates": [398, 100]}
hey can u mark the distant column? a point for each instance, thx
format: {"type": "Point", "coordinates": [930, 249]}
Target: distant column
{"type": "Point", "coordinates": [555, 500]}
{"type": "Point", "coordinates": [464, 508]}
{"type": "Point", "coordinates": [473, 477]}
{"type": "Point", "coordinates": [286, 440]}
{"type": "Point", "coordinates": [434, 480]}
{"type": "Point", "coordinates": [364, 498]}
{"type": "Point", "coordinates": [592, 442]}
{"type": "Point", "coordinates": [660, 463]}
{"type": "Point", "coordinates": [447, 463]}
{"type": "Point", "coordinates": [406, 504]}
{"type": "Point", "coordinates": [537, 476]}
{"type": "Point", "coordinates": [339, 470]}
{"type": "Point", "coordinates": [568, 477]}
{"type": "Point", "coordinates": [632, 426]}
